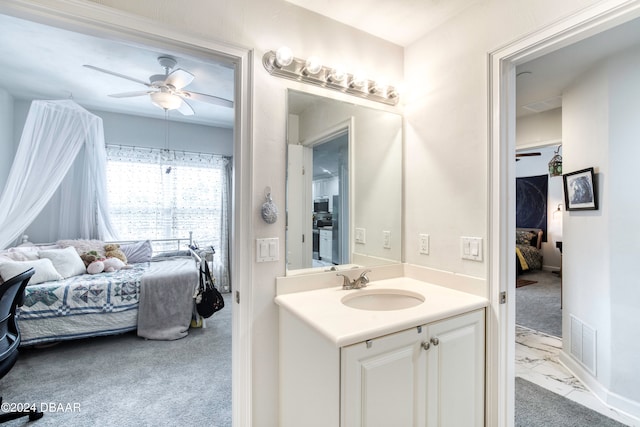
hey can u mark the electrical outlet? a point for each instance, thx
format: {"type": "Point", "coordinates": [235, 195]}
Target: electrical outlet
{"type": "Point", "coordinates": [423, 244]}
{"type": "Point", "coordinates": [361, 236]}
{"type": "Point", "coordinates": [386, 239]}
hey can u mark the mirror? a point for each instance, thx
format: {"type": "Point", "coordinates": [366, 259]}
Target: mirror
{"type": "Point", "coordinates": [344, 185]}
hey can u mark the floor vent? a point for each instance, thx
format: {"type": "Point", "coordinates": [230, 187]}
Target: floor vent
{"type": "Point", "coordinates": [583, 344]}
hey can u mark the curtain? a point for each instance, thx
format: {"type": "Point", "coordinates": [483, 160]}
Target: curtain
{"type": "Point", "coordinates": [53, 135]}
{"type": "Point", "coordinates": [165, 194]}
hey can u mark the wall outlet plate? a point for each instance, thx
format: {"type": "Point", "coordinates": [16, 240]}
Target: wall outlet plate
{"type": "Point", "coordinates": [423, 244]}
{"type": "Point", "coordinates": [386, 239]}
{"type": "Point", "coordinates": [361, 236]}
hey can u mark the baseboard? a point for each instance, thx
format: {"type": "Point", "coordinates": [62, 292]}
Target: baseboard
{"type": "Point", "coordinates": [628, 407]}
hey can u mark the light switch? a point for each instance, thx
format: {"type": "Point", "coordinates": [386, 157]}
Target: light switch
{"type": "Point", "coordinates": [471, 248]}
{"type": "Point", "coordinates": [267, 249]}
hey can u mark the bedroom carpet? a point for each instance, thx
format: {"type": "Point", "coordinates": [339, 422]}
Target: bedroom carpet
{"type": "Point", "coordinates": [124, 380]}
{"type": "Point", "coordinates": [536, 406]}
{"type": "Point", "coordinates": [538, 304]}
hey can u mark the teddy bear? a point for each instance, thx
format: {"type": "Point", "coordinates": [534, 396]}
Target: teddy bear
{"type": "Point", "coordinates": [112, 250]}
{"type": "Point", "coordinates": [89, 257]}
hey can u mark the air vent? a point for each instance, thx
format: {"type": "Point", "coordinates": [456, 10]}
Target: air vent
{"type": "Point", "coordinates": [547, 104]}
{"type": "Point", "coordinates": [583, 344]}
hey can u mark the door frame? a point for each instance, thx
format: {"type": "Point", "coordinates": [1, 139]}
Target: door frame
{"type": "Point", "coordinates": [101, 21]}
{"type": "Point", "coordinates": [502, 63]}
{"type": "Point", "coordinates": [345, 126]}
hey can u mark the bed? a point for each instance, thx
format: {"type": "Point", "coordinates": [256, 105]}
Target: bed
{"type": "Point", "coordinates": [528, 249]}
{"type": "Point", "coordinates": [153, 296]}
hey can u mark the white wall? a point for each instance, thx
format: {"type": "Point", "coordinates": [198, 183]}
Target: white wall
{"type": "Point", "coordinates": [539, 129]}
{"type": "Point", "coordinates": [446, 125]}
{"type": "Point", "coordinates": [600, 130]}
{"type": "Point", "coordinates": [534, 166]}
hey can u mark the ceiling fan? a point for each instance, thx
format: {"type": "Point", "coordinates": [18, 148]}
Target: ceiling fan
{"type": "Point", "coordinates": [166, 90]}
{"type": "Point", "coordinates": [526, 155]}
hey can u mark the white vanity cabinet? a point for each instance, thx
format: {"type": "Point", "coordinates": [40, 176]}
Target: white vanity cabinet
{"type": "Point", "coordinates": [431, 375]}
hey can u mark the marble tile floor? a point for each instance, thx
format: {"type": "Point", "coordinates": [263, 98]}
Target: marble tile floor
{"type": "Point", "coordinates": [537, 362]}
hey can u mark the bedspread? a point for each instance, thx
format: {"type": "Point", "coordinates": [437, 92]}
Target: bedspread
{"type": "Point", "coordinates": [531, 255]}
{"type": "Point", "coordinates": [89, 305]}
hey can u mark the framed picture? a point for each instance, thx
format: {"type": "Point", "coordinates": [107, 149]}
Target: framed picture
{"type": "Point", "coordinates": [580, 191]}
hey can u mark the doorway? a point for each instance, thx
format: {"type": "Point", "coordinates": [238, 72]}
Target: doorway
{"type": "Point", "coordinates": [502, 64]}
{"type": "Point", "coordinates": [82, 19]}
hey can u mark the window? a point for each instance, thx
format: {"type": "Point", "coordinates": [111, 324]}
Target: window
{"type": "Point", "coordinates": [164, 194]}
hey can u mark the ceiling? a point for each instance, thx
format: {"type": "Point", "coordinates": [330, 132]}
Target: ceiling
{"type": "Point", "coordinates": [399, 21]}
{"type": "Point", "coordinates": [41, 62]}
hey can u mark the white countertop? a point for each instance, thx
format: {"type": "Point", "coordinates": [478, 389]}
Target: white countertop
{"type": "Point", "coordinates": [323, 310]}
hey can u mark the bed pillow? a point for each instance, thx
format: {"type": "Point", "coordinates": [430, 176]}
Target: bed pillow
{"type": "Point", "coordinates": [44, 270]}
{"type": "Point", "coordinates": [524, 237]}
{"type": "Point", "coordinates": [137, 252]}
{"type": "Point", "coordinates": [66, 261]}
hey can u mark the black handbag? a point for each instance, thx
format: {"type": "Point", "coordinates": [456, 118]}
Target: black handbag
{"type": "Point", "coordinates": [208, 299]}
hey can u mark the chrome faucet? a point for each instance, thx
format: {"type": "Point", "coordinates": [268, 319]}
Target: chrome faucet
{"type": "Point", "coordinates": [358, 283]}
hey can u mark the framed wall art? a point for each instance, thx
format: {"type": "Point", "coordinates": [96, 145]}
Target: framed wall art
{"type": "Point", "coordinates": [580, 192]}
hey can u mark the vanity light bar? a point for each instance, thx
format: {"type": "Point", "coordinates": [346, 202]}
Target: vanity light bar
{"type": "Point", "coordinates": [313, 72]}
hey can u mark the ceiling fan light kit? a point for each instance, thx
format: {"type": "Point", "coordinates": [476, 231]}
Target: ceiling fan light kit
{"type": "Point", "coordinates": [166, 90]}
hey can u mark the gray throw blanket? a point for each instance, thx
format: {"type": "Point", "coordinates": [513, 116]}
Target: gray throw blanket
{"type": "Point", "coordinates": [166, 298]}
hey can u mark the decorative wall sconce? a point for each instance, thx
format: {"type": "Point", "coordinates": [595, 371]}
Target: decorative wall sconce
{"type": "Point", "coordinates": [282, 63]}
{"type": "Point", "coordinates": [555, 164]}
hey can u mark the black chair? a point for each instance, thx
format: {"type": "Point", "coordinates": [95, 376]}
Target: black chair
{"type": "Point", "coordinates": [11, 297]}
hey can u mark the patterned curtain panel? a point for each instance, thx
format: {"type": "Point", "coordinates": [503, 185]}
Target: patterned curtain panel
{"type": "Point", "coordinates": [165, 194]}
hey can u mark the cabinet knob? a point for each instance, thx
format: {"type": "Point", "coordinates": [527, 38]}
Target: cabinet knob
{"type": "Point", "coordinates": [435, 341]}
{"type": "Point", "coordinates": [425, 345]}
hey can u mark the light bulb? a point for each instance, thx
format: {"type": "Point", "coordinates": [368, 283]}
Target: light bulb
{"type": "Point", "coordinates": [313, 65]}
{"type": "Point", "coordinates": [284, 56]}
{"type": "Point", "coordinates": [338, 74]}
{"type": "Point", "coordinates": [359, 81]}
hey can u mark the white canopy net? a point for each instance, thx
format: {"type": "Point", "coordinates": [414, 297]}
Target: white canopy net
{"type": "Point", "coordinates": [54, 134]}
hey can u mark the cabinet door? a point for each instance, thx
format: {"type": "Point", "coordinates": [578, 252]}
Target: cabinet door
{"type": "Point", "coordinates": [383, 381]}
{"type": "Point", "coordinates": [455, 372]}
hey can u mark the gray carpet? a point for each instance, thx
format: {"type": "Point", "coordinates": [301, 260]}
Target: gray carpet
{"type": "Point", "coordinates": [536, 406]}
{"type": "Point", "coordinates": [125, 380]}
{"type": "Point", "coordinates": [538, 304]}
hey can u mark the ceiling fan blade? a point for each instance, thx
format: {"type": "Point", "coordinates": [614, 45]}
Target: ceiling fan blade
{"type": "Point", "coordinates": [186, 109]}
{"type": "Point", "coordinates": [202, 97]}
{"type": "Point", "coordinates": [130, 94]}
{"type": "Point", "coordinates": [527, 154]}
{"type": "Point", "coordinates": [179, 78]}
{"type": "Point", "coordinates": [122, 76]}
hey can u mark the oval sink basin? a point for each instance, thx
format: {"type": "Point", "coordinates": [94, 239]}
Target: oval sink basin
{"type": "Point", "coordinates": [382, 299]}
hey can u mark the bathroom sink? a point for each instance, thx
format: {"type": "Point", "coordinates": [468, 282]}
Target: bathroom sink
{"type": "Point", "coordinates": [382, 299]}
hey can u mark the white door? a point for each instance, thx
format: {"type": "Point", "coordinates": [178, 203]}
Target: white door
{"type": "Point", "coordinates": [299, 205]}
{"type": "Point", "coordinates": [383, 381]}
{"type": "Point", "coordinates": [455, 390]}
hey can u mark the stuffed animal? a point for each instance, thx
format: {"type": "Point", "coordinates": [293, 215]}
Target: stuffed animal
{"type": "Point", "coordinates": [112, 264]}
{"type": "Point", "coordinates": [95, 267]}
{"type": "Point", "coordinates": [112, 250]}
{"type": "Point", "coordinates": [89, 257]}
{"type": "Point", "coordinates": [106, 265]}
